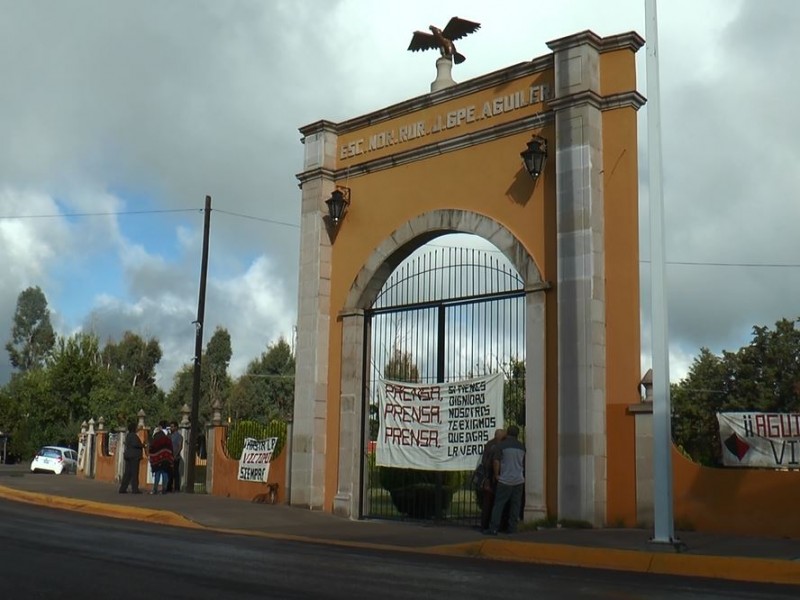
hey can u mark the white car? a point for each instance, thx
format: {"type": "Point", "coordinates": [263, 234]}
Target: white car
{"type": "Point", "coordinates": [55, 460]}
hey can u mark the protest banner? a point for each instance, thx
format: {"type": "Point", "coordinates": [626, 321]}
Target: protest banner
{"type": "Point", "coordinates": [439, 426]}
{"type": "Point", "coordinates": [255, 459]}
{"type": "Point", "coordinates": [756, 439]}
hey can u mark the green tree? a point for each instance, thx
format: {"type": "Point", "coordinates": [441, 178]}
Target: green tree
{"type": "Point", "coordinates": [32, 336]}
{"type": "Point", "coordinates": [134, 359]}
{"type": "Point", "coordinates": [401, 367]}
{"type": "Point", "coordinates": [761, 376]}
{"type": "Point", "coordinates": [215, 367]}
{"type": "Point", "coordinates": [514, 392]}
{"type": "Point", "coordinates": [265, 391]}
{"type": "Point", "coordinates": [215, 383]}
{"type": "Point", "coordinates": [74, 370]}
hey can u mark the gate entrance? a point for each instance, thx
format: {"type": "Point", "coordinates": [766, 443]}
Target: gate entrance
{"type": "Point", "coordinates": [567, 312]}
{"type": "Point", "coordinates": [445, 314]}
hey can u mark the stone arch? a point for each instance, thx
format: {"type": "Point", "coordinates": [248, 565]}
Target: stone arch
{"type": "Point", "coordinates": [363, 292]}
{"type": "Point", "coordinates": [422, 229]}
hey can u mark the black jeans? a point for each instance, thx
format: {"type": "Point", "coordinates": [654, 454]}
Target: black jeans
{"type": "Point", "coordinates": [174, 484]}
{"type": "Point", "coordinates": [130, 475]}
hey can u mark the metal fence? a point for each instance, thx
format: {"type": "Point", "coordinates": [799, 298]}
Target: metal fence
{"type": "Point", "coordinates": [445, 314]}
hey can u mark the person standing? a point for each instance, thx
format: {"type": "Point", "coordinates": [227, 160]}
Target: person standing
{"type": "Point", "coordinates": [174, 484]}
{"type": "Point", "coordinates": [131, 456]}
{"type": "Point", "coordinates": [487, 486]}
{"type": "Point", "coordinates": [509, 470]}
{"type": "Point", "coordinates": [160, 451]}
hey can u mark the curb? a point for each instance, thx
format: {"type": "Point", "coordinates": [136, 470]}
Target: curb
{"type": "Point", "coordinates": [133, 513]}
{"type": "Point", "coordinates": [732, 568]}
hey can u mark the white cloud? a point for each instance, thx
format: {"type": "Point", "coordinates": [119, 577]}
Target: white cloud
{"type": "Point", "coordinates": [112, 108]}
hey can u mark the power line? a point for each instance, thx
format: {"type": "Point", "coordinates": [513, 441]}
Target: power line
{"type": "Point", "coordinates": [729, 264]}
{"type": "Point", "coordinates": [147, 212]}
{"type": "Point", "coordinates": [102, 214]}
{"type": "Point", "coordinates": [252, 218]}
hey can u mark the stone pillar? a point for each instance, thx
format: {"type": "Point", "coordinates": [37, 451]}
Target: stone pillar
{"type": "Point", "coordinates": [351, 420]}
{"type": "Point", "coordinates": [141, 415]}
{"type": "Point", "coordinates": [313, 319]}
{"type": "Point", "coordinates": [444, 74]}
{"type": "Point", "coordinates": [82, 448]}
{"type": "Point", "coordinates": [184, 427]}
{"type": "Point", "coordinates": [211, 439]}
{"type": "Point", "coordinates": [643, 415]}
{"type": "Point", "coordinates": [580, 274]}
{"type": "Point", "coordinates": [119, 458]}
{"type": "Point", "coordinates": [535, 393]}
{"type": "Point", "coordinates": [91, 448]}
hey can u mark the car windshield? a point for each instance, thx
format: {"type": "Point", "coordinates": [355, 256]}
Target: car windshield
{"type": "Point", "coordinates": [50, 453]}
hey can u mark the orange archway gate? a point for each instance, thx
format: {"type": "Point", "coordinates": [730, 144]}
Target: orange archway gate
{"type": "Point", "coordinates": [449, 161]}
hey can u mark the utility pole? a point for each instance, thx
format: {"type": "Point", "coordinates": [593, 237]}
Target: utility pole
{"type": "Point", "coordinates": [664, 527]}
{"type": "Point", "coordinates": [198, 352]}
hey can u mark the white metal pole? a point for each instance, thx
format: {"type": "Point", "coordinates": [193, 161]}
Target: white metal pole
{"type": "Point", "coordinates": [664, 531]}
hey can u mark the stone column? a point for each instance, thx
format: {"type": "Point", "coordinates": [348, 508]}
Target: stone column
{"type": "Point", "coordinates": [119, 458]}
{"type": "Point", "coordinates": [184, 427]}
{"type": "Point", "coordinates": [91, 448]}
{"type": "Point", "coordinates": [643, 413]}
{"type": "Point", "coordinates": [313, 319]}
{"type": "Point", "coordinates": [580, 275]}
{"type": "Point", "coordinates": [211, 431]}
{"type": "Point", "coordinates": [351, 423]}
{"type": "Point", "coordinates": [535, 414]}
{"type": "Point", "coordinates": [82, 447]}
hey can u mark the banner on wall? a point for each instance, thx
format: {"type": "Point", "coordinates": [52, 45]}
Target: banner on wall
{"type": "Point", "coordinates": [756, 439]}
{"type": "Point", "coordinates": [439, 426]}
{"type": "Point", "coordinates": [255, 459]}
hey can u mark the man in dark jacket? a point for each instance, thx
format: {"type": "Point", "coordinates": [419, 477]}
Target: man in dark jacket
{"type": "Point", "coordinates": [509, 470]}
{"type": "Point", "coordinates": [488, 484]}
{"type": "Point", "coordinates": [131, 456]}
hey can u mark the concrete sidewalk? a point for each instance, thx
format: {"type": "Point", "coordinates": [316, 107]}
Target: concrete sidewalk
{"type": "Point", "coordinates": [765, 560]}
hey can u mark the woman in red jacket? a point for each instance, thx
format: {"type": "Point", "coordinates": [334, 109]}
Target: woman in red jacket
{"type": "Point", "coordinates": [160, 451]}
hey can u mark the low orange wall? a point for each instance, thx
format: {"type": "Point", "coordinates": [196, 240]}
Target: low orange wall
{"type": "Point", "coordinates": [105, 468]}
{"type": "Point", "coordinates": [225, 482]}
{"type": "Point", "coordinates": [736, 501]}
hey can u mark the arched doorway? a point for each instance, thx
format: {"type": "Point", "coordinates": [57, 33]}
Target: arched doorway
{"type": "Point", "coordinates": [452, 311]}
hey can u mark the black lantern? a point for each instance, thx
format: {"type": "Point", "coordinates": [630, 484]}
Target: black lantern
{"type": "Point", "coordinates": [338, 203]}
{"type": "Point", "coordinates": [534, 156]}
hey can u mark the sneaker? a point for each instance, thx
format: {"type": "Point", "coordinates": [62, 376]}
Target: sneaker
{"type": "Point", "coordinates": [123, 492]}
{"type": "Point", "coordinates": [136, 492]}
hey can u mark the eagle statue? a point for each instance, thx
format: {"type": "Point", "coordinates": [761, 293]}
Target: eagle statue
{"type": "Point", "coordinates": [443, 38]}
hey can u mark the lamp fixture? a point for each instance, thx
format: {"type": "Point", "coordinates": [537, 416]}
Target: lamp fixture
{"type": "Point", "coordinates": [534, 156]}
{"type": "Point", "coordinates": [338, 203]}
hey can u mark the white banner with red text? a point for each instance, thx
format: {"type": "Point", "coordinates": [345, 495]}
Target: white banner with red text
{"type": "Point", "coordinates": [255, 459]}
{"type": "Point", "coordinates": [756, 439]}
{"type": "Point", "coordinates": [439, 426]}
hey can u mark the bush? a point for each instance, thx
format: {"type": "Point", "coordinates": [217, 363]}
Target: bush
{"type": "Point", "coordinates": [252, 429]}
{"type": "Point", "coordinates": [414, 492]}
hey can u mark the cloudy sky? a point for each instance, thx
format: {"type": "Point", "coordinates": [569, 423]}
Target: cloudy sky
{"type": "Point", "coordinates": [118, 118]}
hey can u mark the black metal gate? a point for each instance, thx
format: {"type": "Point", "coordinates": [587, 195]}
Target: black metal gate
{"type": "Point", "coordinates": [445, 314]}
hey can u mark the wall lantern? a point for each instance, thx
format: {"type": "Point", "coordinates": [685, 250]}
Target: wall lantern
{"type": "Point", "coordinates": [337, 209]}
{"type": "Point", "coordinates": [534, 156]}
{"type": "Point", "coordinates": [338, 203]}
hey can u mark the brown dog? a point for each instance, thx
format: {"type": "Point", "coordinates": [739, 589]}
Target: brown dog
{"type": "Point", "coordinates": [271, 497]}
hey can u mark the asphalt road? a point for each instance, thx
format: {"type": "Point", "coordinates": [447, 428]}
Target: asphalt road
{"type": "Point", "coordinates": [51, 554]}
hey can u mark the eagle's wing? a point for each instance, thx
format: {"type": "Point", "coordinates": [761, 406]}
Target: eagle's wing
{"type": "Point", "coordinates": [422, 41]}
{"type": "Point", "coordinates": [458, 28]}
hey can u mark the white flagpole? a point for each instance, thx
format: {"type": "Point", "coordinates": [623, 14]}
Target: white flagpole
{"type": "Point", "coordinates": [664, 530]}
